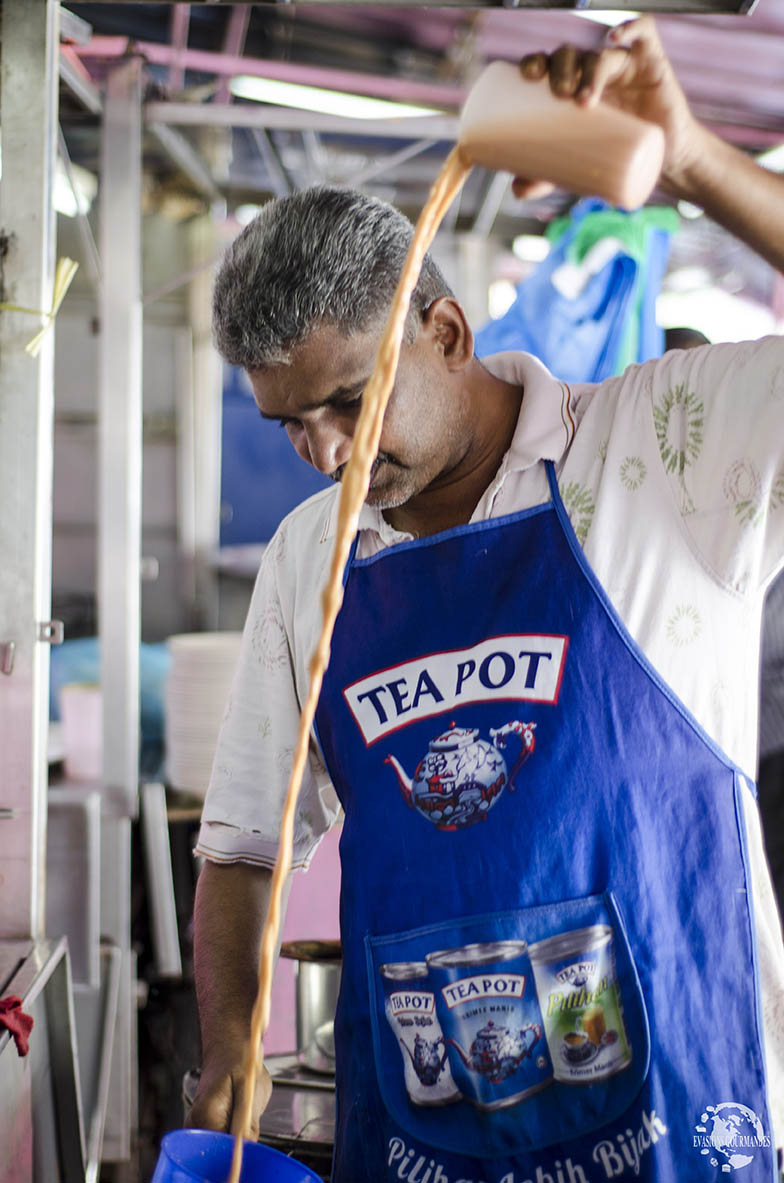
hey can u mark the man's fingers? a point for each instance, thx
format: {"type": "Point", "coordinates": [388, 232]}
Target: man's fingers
{"type": "Point", "coordinates": [216, 1105]}
{"type": "Point", "coordinates": [212, 1111]}
{"type": "Point", "coordinates": [643, 29]}
{"type": "Point", "coordinates": [577, 73]}
{"type": "Point", "coordinates": [534, 66]}
{"type": "Point", "coordinates": [566, 71]}
{"type": "Point", "coordinates": [601, 70]}
{"type": "Point", "coordinates": [262, 1091]}
{"type": "Point", "coordinates": [584, 74]}
{"type": "Point", "coordinates": [250, 1134]}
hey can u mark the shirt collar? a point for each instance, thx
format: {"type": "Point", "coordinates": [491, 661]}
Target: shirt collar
{"type": "Point", "coordinates": [544, 429]}
{"type": "Point", "coordinates": [546, 424]}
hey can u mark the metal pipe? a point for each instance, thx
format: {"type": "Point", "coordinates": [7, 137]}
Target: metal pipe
{"type": "Point", "coordinates": [187, 159]}
{"type": "Point", "coordinates": [432, 94]}
{"type": "Point", "coordinates": [180, 23]}
{"type": "Point", "coordinates": [434, 127]}
{"type": "Point", "coordinates": [76, 77]}
{"type": "Point", "coordinates": [28, 100]}
{"type": "Point", "coordinates": [315, 159]}
{"type": "Point", "coordinates": [391, 161]}
{"type": "Point", "coordinates": [234, 43]}
{"type": "Point", "coordinates": [119, 539]}
{"type": "Point", "coordinates": [160, 881]}
{"type": "Point", "coordinates": [491, 203]}
{"type": "Point", "coordinates": [278, 177]}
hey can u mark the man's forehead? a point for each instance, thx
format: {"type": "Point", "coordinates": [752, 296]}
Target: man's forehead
{"type": "Point", "coordinates": [326, 361]}
{"type": "Point", "coordinates": [329, 346]}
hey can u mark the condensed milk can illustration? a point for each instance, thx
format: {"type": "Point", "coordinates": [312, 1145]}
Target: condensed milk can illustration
{"type": "Point", "coordinates": [411, 1013]}
{"type": "Point", "coordinates": [581, 1004]}
{"type": "Point", "coordinates": [486, 1001]}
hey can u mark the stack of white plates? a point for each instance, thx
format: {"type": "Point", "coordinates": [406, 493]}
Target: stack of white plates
{"type": "Point", "coordinates": [197, 691]}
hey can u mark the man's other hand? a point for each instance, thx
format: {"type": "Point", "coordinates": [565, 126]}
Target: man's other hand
{"type": "Point", "coordinates": [217, 1101]}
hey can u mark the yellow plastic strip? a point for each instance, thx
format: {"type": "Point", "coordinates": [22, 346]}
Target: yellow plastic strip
{"type": "Point", "coordinates": [66, 270]}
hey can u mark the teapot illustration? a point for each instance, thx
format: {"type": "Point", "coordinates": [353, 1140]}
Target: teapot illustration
{"type": "Point", "coordinates": [461, 776]}
{"type": "Point", "coordinates": [426, 1059]}
{"type": "Point", "coordinates": [497, 1052]}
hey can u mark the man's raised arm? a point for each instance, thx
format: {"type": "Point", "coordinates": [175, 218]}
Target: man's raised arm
{"type": "Point", "coordinates": [634, 74]}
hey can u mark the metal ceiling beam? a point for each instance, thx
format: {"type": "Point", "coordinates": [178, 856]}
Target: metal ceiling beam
{"type": "Point", "coordinates": [434, 127]}
{"type": "Point", "coordinates": [186, 158]}
{"type": "Point", "coordinates": [73, 28]}
{"type": "Point", "coordinates": [433, 94]}
{"type": "Point", "coordinates": [754, 74]}
{"type": "Point", "coordinates": [279, 181]}
{"type": "Point", "coordinates": [736, 91]}
{"type": "Point", "coordinates": [393, 160]}
{"type": "Point", "coordinates": [234, 43]}
{"type": "Point", "coordinates": [753, 138]}
{"type": "Point", "coordinates": [700, 6]}
{"type": "Point", "coordinates": [180, 23]}
{"type": "Point", "coordinates": [688, 41]}
{"type": "Point", "coordinates": [76, 78]}
{"type": "Point", "coordinates": [315, 160]}
{"type": "Point", "coordinates": [491, 203]}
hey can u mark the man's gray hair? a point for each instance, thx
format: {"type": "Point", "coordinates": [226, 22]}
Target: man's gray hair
{"type": "Point", "coordinates": [323, 255]}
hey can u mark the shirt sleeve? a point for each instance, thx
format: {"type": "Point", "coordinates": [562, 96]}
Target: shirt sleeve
{"type": "Point", "coordinates": [718, 414]}
{"type": "Point", "coordinates": [244, 802]}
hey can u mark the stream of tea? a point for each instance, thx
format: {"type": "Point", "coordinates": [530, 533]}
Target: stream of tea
{"type": "Point", "coordinates": [353, 491]}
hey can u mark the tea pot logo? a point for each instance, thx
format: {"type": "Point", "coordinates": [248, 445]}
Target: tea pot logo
{"type": "Point", "coordinates": [461, 776]}
{"type": "Point", "coordinates": [497, 1052]}
{"type": "Point", "coordinates": [427, 1058]}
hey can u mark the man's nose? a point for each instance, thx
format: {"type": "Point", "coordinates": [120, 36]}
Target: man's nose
{"type": "Point", "coordinates": [328, 446]}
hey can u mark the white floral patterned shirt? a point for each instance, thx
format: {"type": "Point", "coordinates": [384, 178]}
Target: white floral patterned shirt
{"type": "Point", "coordinates": [673, 477]}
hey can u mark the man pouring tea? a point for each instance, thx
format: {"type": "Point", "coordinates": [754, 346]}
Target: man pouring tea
{"type": "Point", "coordinates": [594, 943]}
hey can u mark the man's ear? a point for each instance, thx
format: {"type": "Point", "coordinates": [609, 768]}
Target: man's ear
{"type": "Point", "coordinates": [444, 322]}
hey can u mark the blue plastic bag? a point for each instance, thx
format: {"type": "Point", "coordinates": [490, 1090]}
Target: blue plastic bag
{"type": "Point", "coordinates": [589, 309]}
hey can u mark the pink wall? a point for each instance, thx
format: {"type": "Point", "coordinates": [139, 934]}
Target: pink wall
{"type": "Point", "coordinates": [312, 914]}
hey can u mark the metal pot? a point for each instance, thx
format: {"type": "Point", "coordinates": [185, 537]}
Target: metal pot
{"type": "Point", "coordinates": [317, 968]}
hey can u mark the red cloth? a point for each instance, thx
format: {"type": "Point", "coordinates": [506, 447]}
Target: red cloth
{"type": "Point", "coordinates": [17, 1022]}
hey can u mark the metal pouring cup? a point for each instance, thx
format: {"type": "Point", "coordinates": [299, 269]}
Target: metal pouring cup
{"type": "Point", "coordinates": [317, 967]}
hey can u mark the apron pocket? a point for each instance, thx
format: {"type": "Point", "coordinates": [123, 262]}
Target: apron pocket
{"type": "Point", "coordinates": [509, 1031]}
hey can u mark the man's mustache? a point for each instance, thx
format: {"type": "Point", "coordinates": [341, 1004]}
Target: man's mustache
{"type": "Point", "coordinates": [382, 458]}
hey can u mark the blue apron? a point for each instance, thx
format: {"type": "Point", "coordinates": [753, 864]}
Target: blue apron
{"type": "Point", "coordinates": [549, 965]}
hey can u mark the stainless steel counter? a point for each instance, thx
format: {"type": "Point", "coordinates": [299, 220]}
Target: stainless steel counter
{"type": "Point", "coordinates": [41, 1130]}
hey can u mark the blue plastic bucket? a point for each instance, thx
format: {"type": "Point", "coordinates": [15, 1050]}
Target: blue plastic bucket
{"type": "Point", "coordinates": [204, 1156]}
